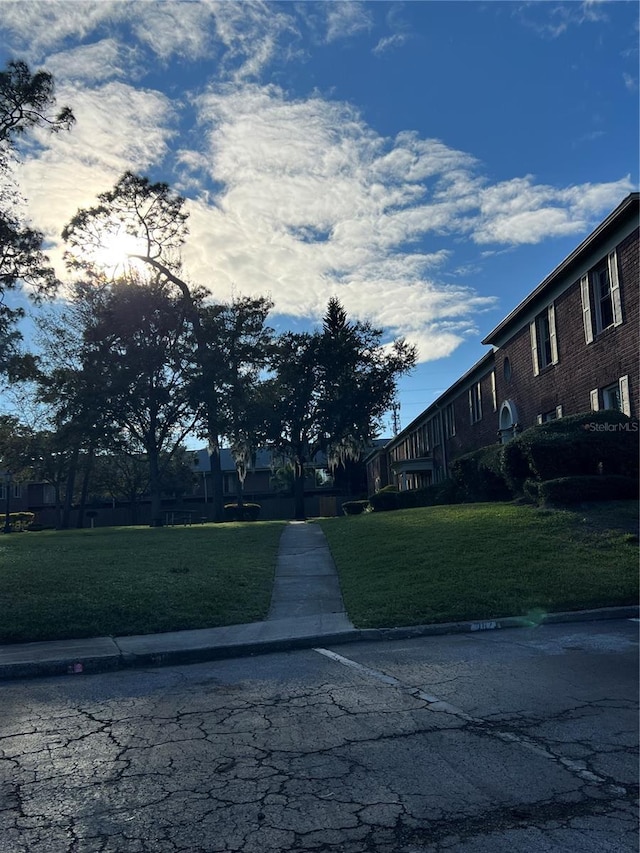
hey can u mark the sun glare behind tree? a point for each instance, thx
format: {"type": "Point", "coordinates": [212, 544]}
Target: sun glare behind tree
{"type": "Point", "coordinates": [115, 252]}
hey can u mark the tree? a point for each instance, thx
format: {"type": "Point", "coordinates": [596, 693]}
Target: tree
{"type": "Point", "coordinates": [137, 345]}
{"type": "Point", "coordinates": [230, 340]}
{"type": "Point", "coordinates": [330, 390]}
{"type": "Point", "coordinates": [240, 342]}
{"type": "Point", "coordinates": [72, 395]}
{"type": "Point", "coordinates": [16, 457]}
{"type": "Point", "coordinates": [153, 217]}
{"type": "Point", "coordinates": [26, 101]}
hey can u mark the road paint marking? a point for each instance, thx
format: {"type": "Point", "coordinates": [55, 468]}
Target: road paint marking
{"type": "Point", "coordinates": [433, 702]}
{"type": "Point", "coordinates": [576, 768]}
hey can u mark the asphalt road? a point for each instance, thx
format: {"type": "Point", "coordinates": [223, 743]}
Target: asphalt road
{"type": "Point", "coordinates": [514, 740]}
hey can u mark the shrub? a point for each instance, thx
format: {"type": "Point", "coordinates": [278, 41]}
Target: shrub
{"type": "Point", "coordinates": [246, 512]}
{"type": "Point", "coordinates": [355, 507]}
{"type": "Point", "coordinates": [478, 475]}
{"type": "Point", "coordinates": [446, 492]}
{"type": "Point", "coordinates": [18, 521]}
{"type": "Point", "coordinates": [384, 500]}
{"type": "Point", "coordinates": [580, 445]}
{"type": "Point", "coordinates": [570, 490]}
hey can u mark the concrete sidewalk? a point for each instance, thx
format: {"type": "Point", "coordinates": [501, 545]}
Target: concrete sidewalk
{"type": "Point", "coordinates": [306, 610]}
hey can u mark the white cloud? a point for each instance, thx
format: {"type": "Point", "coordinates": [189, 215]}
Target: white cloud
{"type": "Point", "coordinates": [519, 211]}
{"type": "Point", "coordinates": [94, 63]}
{"type": "Point", "coordinates": [345, 18]}
{"type": "Point", "coordinates": [389, 43]}
{"type": "Point", "coordinates": [40, 25]}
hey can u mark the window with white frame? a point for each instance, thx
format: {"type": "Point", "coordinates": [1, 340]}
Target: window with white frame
{"type": "Point", "coordinates": [475, 403]}
{"type": "Point", "coordinates": [600, 294]}
{"type": "Point", "coordinates": [450, 421]}
{"type": "Point", "coordinates": [544, 344]}
{"type": "Point", "coordinates": [614, 396]}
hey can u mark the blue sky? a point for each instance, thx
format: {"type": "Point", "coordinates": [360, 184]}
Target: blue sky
{"type": "Point", "coordinates": [427, 162]}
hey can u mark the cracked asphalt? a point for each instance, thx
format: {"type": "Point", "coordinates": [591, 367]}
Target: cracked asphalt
{"type": "Point", "coordinates": [506, 740]}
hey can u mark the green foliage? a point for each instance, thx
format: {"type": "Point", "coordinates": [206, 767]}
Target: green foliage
{"type": "Point", "coordinates": [594, 443]}
{"type": "Point", "coordinates": [438, 494]}
{"type": "Point", "coordinates": [385, 499]}
{"type": "Point", "coordinates": [246, 512]}
{"type": "Point", "coordinates": [26, 101]}
{"type": "Point", "coordinates": [572, 490]}
{"type": "Point", "coordinates": [478, 476]}
{"type": "Point", "coordinates": [355, 507]}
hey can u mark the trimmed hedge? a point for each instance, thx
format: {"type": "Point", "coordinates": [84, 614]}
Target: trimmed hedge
{"type": "Point", "coordinates": [438, 494]}
{"type": "Point", "coordinates": [478, 476]}
{"type": "Point", "coordinates": [595, 443]}
{"type": "Point", "coordinates": [571, 490]}
{"type": "Point", "coordinates": [247, 512]}
{"type": "Point", "coordinates": [384, 500]}
{"type": "Point", "coordinates": [355, 507]}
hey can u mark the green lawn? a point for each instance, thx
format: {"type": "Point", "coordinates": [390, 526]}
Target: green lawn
{"type": "Point", "coordinates": [134, 580]}
{"type": "Point", "coordinates": [483, 561]}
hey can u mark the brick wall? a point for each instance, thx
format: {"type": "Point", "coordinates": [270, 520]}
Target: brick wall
{"type": "Point", "coordinates": [470, 436]}
{"type": "Point", "coordinates": [581, 367]}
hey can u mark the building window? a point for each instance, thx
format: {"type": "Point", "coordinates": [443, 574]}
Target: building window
{"type": "Point", "coordinates": [507, 370]}
{"type": "Point", "coordinates": [551, 415]}
{"type": "Point", "coordinates": [611, 398]}
{"type": "Point", "coordinates": [600, 294]}
{"type": "Point", "coordinates": [450, 421]}
{"type": "Point", "coordinates": [475, 403]}
{"type": "Point", "coordinates": [615, 396]}
{"type": "Point", "coordinates": [433, 434]}
{"type": "Point", "coordinates": [544, 347]}
{"type": "Point", "coordinates": [602, 298]}
{"type": "Point", "coordinates": [17, 490]}
{"type": "Point", "coordinates": [494, 395]}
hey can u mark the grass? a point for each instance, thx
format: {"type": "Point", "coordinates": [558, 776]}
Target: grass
{"type": "Point", "coordinates": [484, 561]}
{"type": "Point", "coordinates": [134, 580]}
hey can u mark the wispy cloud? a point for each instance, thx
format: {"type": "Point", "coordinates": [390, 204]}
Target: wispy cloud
{"type": "Point", "coordinates": [345, 18]}
{"type": "Point", "coordinates": [551, 19]}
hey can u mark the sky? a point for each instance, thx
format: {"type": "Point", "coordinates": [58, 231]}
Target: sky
{"type": "Point", "coordinates": [428, 163]}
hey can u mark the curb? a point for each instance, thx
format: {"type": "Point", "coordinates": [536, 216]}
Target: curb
{"type": "Point", "coordinates": [104, 654]}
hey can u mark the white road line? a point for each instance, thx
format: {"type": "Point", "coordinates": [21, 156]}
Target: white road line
{"type": "Point", "coordinates": [577, 768]}
{"type": "Point", "coordinates": [433, 702]}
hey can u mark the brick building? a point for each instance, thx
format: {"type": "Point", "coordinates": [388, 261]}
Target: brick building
{"type": "Point", "coordinates": [569, 347]}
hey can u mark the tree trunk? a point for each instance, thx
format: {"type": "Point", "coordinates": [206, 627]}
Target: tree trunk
{"type": "Point", "coordinates": [298, 491]}
{"type": "Point", "coordinates": [70, 487]}
{"type": "Point", "coordinates": [154, 488]}
{"type": "Point", "coordinates": [217, 490]}
{"type": "Point", "coordinates": [86, 477]}
{"type": "Point", "coordinates": [240, 493]}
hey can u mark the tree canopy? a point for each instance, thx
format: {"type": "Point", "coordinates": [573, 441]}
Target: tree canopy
{"type": "Point", "coordinates": [26, 101]}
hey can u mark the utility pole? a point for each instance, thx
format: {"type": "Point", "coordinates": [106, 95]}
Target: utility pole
{"type": "Point", "coordinates": [395, 409]}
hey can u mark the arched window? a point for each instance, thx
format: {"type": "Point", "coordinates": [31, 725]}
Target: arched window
{"type": "Point", "coordinates": [508, 421]}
